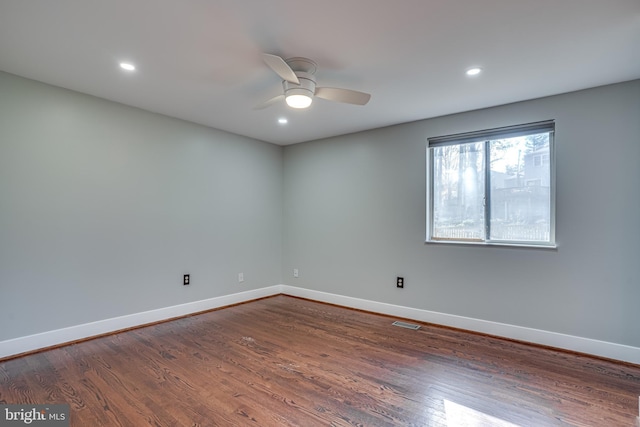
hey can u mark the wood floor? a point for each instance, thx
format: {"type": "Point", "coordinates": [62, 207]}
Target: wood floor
{"type": "Point", "coordinates": [284, 361]}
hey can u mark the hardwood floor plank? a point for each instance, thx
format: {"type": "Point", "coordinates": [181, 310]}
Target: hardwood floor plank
{"type": "Point", "coordinates": [285, 361]}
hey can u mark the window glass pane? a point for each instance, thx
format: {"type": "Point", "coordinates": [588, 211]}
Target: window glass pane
{"type": "Point", "coordinates": [520, 194]}
{"type": "Point", "coordinates": [458, 192]}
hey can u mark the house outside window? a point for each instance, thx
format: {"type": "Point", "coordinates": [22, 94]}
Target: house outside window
{"type": "Point", "coordinates": [493, 187]}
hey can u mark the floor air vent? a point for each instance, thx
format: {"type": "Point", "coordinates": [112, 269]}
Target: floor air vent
{"type": "Point", "coordinates": [406, 325]}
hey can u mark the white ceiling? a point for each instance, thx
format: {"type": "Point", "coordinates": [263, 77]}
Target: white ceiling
{"type": "Point", "coordinates": [200, 60]}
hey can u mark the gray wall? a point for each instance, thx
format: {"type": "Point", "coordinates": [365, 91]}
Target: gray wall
{"type": "Point", "coordinates": [354, 219]}
{"type": "Point", "coordinates": [103, 207]}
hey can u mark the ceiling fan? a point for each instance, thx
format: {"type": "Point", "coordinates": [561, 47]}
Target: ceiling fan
{"type": "Point", "coordinates": [299, 84]}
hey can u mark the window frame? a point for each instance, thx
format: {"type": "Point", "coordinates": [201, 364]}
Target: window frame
{"type": "Point", "coordinates": [486, 136]}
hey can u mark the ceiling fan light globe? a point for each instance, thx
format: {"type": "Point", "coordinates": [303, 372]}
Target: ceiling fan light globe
{"type": "Point", "coordinates": [298, 101]}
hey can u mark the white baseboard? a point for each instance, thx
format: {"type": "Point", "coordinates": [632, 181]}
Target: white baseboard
{"type": "Point", "coordinates": [609, 350]}
{"type": "Point", "coordinates": [28, 343]}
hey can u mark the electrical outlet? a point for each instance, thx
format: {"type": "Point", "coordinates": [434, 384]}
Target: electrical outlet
{"type": "Point", "coordinates": [295, 273]}
{"type": "Point", "coordinates": [400, 282]}
{"type": "Point", "coordinates": [186, 280]}
{"type": "Point", "coordinates": [240, 277]}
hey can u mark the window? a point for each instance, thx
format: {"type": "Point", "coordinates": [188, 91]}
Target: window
{"type": "Point", "coordinates": [492, 187]}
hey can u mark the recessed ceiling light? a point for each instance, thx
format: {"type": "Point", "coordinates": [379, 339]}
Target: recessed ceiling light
{"type": "Point", "coordinates": [127, 66]}
{"type": "Point", "coordinates": [474, 71]}
{"type": "Point", "coordinates": [283, 121]}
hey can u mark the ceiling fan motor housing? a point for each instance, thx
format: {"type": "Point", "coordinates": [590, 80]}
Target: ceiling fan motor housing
{"type": "Point", "coordinates": [302, 64]}
{"type": "Point", "coordinates": [307, 86]}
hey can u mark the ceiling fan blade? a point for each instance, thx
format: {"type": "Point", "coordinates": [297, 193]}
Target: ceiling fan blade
{"type": "Point", "coordinates": [269, 102]}
{"type": "Point", "coordinates": [343, 95]}
{"type": "Point", "coordinates": [281, 68]}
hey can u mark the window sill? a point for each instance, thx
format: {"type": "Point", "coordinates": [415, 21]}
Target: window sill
{"type": "Point", "coordinates": [516, 245]}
